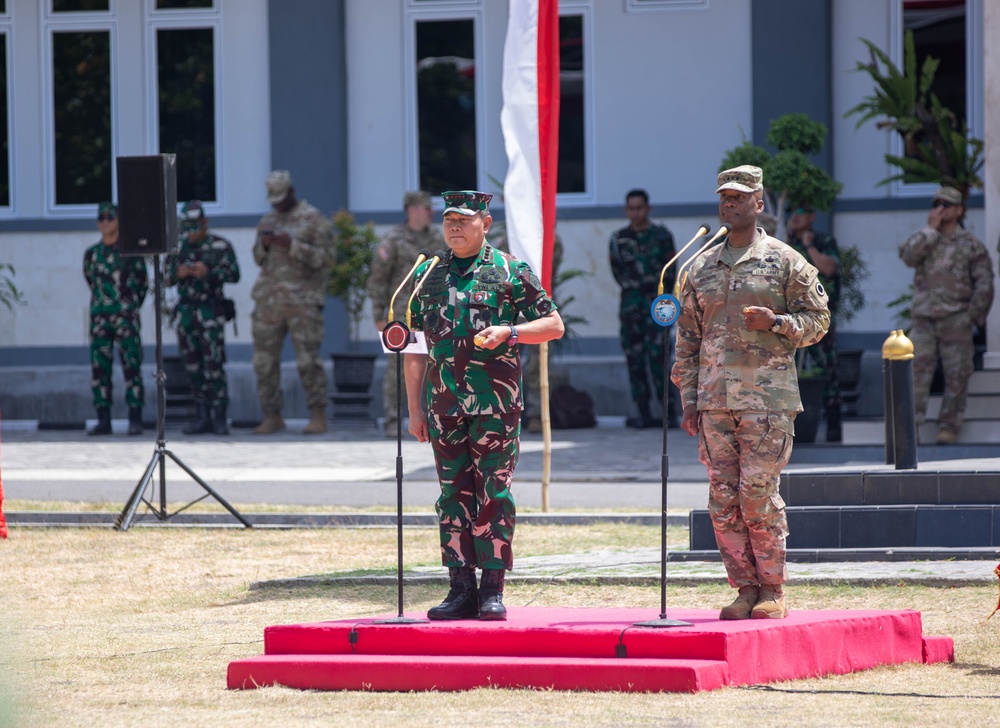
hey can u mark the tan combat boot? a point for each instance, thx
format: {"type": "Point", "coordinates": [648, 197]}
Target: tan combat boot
{"type": "Point", "coordinates": [947, 436]}
{"type": "Point", "coordinates": [770, 603]}
{"type": "Point", "coordinates": [272, 422]}
{"type": "Point", "coordinates": [317, 421]}
{"type": "Point", "coordinates": [744, 604]}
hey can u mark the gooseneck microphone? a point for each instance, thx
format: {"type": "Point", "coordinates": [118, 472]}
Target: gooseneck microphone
{"type": "Point", "coordinates": [420, 284]}
{"type": "Point", "coordinates": [703, 230]}
{"type": "Point", "coordinates": [392, 301]}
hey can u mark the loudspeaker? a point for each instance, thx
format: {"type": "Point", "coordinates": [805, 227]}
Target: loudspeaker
{"type": "Point", "coordinates": [147, 204]}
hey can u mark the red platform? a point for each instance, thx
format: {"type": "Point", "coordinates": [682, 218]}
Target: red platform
{"type": "Point", "coordinates": [585, 649]}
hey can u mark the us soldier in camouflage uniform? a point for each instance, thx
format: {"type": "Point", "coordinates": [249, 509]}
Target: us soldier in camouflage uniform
{"type": "Point", "coordinates": [118, 287]}
{"type": "Point", "coordinates": [952, 293]}
{"type": "Point", "coordinates": [393, 258]}
{"type": "Point", "coordinates": [821, 250]}
{"type": "Point", "coordinates": [638, 253]}
{"type": "Point", "coordinates": [467, 309]}
{"type": "Point", "coordinates": [202, 264]}
{"type": "Point", "coordinates": [294, 249]}
{"type": "Point", "coordinates": [746, 306]}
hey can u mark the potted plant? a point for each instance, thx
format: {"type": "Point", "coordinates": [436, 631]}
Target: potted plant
{"type": "Point", "coordinates": [354, 246]}
{"type": "Point", "coordinates": [10, 294]}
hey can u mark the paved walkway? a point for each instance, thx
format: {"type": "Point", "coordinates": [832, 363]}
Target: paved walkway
{"type": "Point", "coordinates": [594, 471]}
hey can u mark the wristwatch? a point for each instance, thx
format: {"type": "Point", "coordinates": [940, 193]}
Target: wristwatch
{"type": "Point", "coordinates": [778, 321]}
{"type": "Point", "coordinates": [512, 339]}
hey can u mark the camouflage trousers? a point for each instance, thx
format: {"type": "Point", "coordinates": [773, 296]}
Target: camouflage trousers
{"type": "Point", "coordinates": [642, 341]}
{"type": "Point", "coordinates": [951, 339]}
{"type": "Point", "coordinates": [107, 330]}
{"type": "Point", "coordinates": [475, 458]}
{"type": "Point", "coordinates": [270, 325]}
{"type": "Point", "coordinates": [202, 342]}
{"type": "Point", "coordinates": [745, 453]}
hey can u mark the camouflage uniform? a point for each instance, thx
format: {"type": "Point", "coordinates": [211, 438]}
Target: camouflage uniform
{"type": "Point", "coordinates": [393, 258]}
{"type": "Point", "coordinates": [636, 261]}
{"type": "Point", "coordinates": [201, 322]}
{"type": "Point", "coordinates": [118, 286]}
{"type": "Point", "coordinates": [289, 296]}
{"type": "Point", "coordinates": [473, 399]}
{"type": "Point", "coordinates": [744, 385]}
{"type": "Point", "coordinates": [533, 369]}
{"type": "Point", "coordinates": [952, 293]}
{"type": "Point", "coordinates": [821, 358]}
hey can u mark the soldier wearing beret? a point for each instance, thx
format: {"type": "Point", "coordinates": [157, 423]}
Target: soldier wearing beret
{"type": "Point", "coordinates": [952, 293]}
{"type": "Point", "coordinates": [746, 306]}
{"type": "Point", "coordinates": [118, 286]}
{"type": "Point", "coordinates": [467, 309]}
{"type": "Point", "coordinates": [203, 263]}
{"type": "Point", "coordinates": [393, 259]}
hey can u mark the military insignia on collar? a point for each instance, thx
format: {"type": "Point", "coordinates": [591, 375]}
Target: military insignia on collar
{"type": "Point", "coordinates": [490, 274]}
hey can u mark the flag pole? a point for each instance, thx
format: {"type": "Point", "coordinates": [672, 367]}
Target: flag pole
{"type": "Point", "coordinates": [543, 375]}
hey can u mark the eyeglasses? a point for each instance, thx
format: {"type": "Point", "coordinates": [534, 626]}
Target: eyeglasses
{"type": "Point", "coordinates": [106, 217]}
{"type": "Point", "coordinates": [942, 203]}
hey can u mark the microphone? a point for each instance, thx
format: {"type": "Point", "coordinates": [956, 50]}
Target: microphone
{"type": "Point", "coordinates": [392, 301]}
{"type": "Point", "coordinates": [682, 274]}
{"type": "Point", "coordinates": [703, 230]}
{"type": "Point", "coordinates": [420, 284]}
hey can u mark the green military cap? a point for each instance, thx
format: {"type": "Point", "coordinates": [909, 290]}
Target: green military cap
{"type": "Point", "coordinates": [192, 214]}
{"type": "Point", "coordinates": [106, 208]}
{"type": "Point", "coordinates": [467, 202]}
{"type": "Point", "coordinates": [745, 178]}
{"type": "Point", "coordinates": [948, 194]}
{"type": "Point", "coordinates": [417, 197]}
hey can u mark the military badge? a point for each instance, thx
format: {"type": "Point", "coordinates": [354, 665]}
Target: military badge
{"type": "Point", "coordinates": [666, 309]}
{"type": "Point", "coordinates": [490, 274]}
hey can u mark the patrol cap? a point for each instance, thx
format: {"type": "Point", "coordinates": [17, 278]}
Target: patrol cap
{"type": "Point", "coordinates": [745, 178]}
{"type": "Point", "coordinates": [466, 202]}
{"type": "Point", "coordinates": [948, 194]}
{"type": "Point", "coordinates": [192, 213]}
{"type": "Point", "coordinates": [417, 197]}
{"type": "Point", "coordinates": [278, 183]}
{"type": "Point", "coordinates": [107, 207]}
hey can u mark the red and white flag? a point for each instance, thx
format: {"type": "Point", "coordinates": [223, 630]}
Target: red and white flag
{"type": "Point", "coordinates": [530, 122]}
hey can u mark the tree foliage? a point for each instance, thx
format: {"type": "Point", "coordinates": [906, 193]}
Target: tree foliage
{"type": "Point", "coordinates": [354, 246]}
{"type": "Point", "coordinates": [10, 294]}
{"type": "Point", "coordinates": [937, 145]}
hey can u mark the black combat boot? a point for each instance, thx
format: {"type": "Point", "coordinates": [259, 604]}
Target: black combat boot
{"type": "Point", "coordinates": [201, 425]}
{"type": "Point", "coordinates": [103, 426]}
{"type": "Point", "coordinates": [220, 423]}
{"type": "Point", "coordinates": [462, 601]}
{"type": "Point", "coordinates": [491, 606]}
{"type": "Point", "coordinates": [135, 420]}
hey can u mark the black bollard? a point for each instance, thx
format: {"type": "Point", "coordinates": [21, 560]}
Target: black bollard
{"type": "Point", "coordinates": [887, 397]}
{"type": "Point", "coordinates": [904, 419]}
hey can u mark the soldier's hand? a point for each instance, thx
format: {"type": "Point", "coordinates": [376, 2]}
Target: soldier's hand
{"type": "Point", "coordinates": [492, 336]}
{"type": "Point", "coordinates": [280, 240]}
{"type": "Point", "coordinates": [689, 420]}
{"type": "Point", "coordinates": [758, 318]}
{"type": "Point", "coordinates": [934, 217]}
{"type": "Point", "coordinates": [418, 425]}
{"type": "Point", "coordinates": [198, 270]}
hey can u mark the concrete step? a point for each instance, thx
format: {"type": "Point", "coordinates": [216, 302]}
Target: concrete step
{"type": "Point", "coordinates": [985, 381]}
{"type": "Point", "coordinates": [872, 431]}
{"type": "Point", "coordinates": [979, 407]}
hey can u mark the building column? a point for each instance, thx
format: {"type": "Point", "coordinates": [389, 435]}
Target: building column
{"type": "Point", "coordinates": [991, 84]}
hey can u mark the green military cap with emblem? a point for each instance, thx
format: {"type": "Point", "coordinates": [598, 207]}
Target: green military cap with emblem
{"type": "Point", "coordinates": [466, 202]}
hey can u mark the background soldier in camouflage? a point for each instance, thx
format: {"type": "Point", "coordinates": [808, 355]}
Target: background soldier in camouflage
{"type": "Point", "coordinates": [393, 258]}
{"type": "Point", "coordinates": [638, 253]}
{"type": "Point", "coordinates": [952, 293]}
{"type": "Point", "coordinates": [118, 286]}
{"type": "Point", "coordinates": [203, 263]}
{"type": "Point", "coordinates": [467, 309]}
{"type": "Point", "coordinates": [746, 306]}
{"type": "Point", "coordinates": [294, 249]}
{"type": "Point", "coordinates": [821, 250]}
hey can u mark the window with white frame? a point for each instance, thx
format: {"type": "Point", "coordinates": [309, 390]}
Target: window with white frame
{"type": "Point", "coordinates": [82, 54]}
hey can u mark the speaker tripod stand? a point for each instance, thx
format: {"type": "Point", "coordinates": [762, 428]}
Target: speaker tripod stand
{"type": "Point", "coordinates": [160, 452]}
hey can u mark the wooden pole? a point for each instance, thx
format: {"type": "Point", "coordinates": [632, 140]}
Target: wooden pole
{"type": "Point", "coordinates": [543, 375]}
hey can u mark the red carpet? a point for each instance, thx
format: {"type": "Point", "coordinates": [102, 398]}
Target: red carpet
{"type": "Point", "coordinates": [585, 649]}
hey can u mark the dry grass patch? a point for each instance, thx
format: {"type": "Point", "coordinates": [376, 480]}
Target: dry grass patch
{"type": "Point", "coordinates": [138, 628]}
